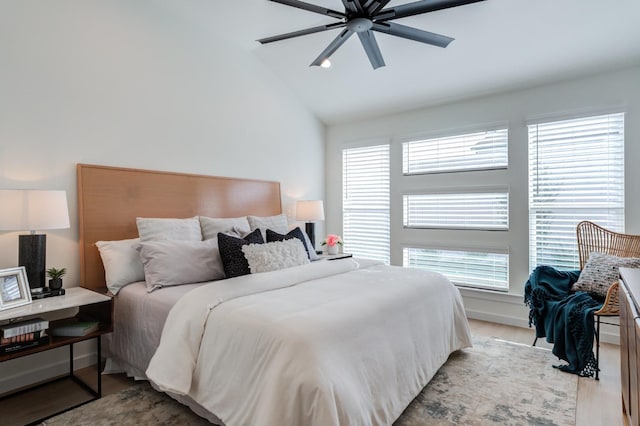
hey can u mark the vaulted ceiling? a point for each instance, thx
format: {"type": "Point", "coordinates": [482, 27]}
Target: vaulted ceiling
{"type": "Point", "coordinates": [499, 45]}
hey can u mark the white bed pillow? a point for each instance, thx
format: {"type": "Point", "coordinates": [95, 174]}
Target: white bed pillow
{"type": "Point", "coordinates": [211, 226]}
{"type": "Point", "coordinates": [121, 261]}
{"type": "Point", "coordinates": [276, 223]}
{"type": "Point", "coordinates": [275, 256]}
{"type": "Point", "coordinates": [155, 229]}
{"type": "Point", "coordinates": [170, 262]}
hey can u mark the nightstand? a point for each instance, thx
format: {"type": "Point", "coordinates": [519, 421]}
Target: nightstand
{"type": "Point", "coordinates": [335, 256]}
{"type": "Point", "coordinates": [78, 303]}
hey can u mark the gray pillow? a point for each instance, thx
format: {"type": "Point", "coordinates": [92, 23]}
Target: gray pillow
{"type": "Point", "coordinates": [276, 223]}
{"type": "Point", "coordinates": [235, 226]}
{"type": "Point", "coordinates": [601, 271]}
{"type": "Point", "coordinates": [169, 263]}
{"type": "Point", "coordinates": [155, 229]}
{"type": "Point", "coordinates": [121, 261]}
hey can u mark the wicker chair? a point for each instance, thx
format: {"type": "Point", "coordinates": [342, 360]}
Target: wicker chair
{"type": "Point", "coordinates": [594, 238]}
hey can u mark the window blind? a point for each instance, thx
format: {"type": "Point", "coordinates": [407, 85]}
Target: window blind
{"type": "Point", "coordinates": [365, 202]}
{"type": "Point", "coordinates": [488, 270]}
{"type": "Point", "coordinates": [473, 151]}
{"type": "Point", "coordinates": [576, 172]}
{"type": "Point", "coordinates": [482, 210]}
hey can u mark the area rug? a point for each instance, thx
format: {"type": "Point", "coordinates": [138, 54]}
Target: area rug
{"type": "Point", "coordinates": [496, 383]}
{"type": "Point", "coordinates": [493, 383]}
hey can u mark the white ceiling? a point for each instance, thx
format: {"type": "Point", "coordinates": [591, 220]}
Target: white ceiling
{"type": "Point", "coordinates": [499, 45]}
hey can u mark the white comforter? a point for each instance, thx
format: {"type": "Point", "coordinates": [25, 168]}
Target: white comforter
{"type": "Point", "coordinates": [347, 342]}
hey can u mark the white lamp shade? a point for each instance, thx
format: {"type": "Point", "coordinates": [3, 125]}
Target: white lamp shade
{"type": "Point", "coordinates": [32, 210]}
{"type": "Point", "coordinates": [310, 210]}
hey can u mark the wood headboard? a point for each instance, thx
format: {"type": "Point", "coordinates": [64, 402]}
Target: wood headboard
{"type": "Point", "coordinates": [110, 199]}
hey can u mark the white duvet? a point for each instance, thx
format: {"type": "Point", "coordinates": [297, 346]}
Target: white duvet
{"type": "Point", "coordinates": [346, 342]}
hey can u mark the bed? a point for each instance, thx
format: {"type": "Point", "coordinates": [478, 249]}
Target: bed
{"type": "Point", "coordinates": [347, 342]}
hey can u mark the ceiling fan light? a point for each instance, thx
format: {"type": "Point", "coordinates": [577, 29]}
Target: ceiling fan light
{"type": "Point", "coordinates": [326, 63]}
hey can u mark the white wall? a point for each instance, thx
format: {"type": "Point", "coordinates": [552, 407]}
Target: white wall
{"type": "Point", "coordinates": [140, 84]}
{"type": "Point", "coordinates": [130, 84]}
{"type": "Point", "coordinates": [613, 91]}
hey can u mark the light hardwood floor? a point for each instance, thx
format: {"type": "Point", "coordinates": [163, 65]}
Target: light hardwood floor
{"type": "Point", "coordinates": [598, 402]}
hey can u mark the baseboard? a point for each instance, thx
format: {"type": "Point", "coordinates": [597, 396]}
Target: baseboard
{"type": "Point", "coordinates": [497, 318]}
{"type": "Point", "coordinates": [40, 367]}
{"type": "Point", "coordinates": [608, 335]}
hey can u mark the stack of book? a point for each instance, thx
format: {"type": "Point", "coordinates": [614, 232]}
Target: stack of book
{"type": "Point", "coordinates": [23, 335]}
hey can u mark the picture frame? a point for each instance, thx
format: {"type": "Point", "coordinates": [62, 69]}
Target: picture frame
{"type": "Point", "coordinates": [14, 288]}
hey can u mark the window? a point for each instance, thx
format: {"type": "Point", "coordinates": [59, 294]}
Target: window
{"type": "Point", "coordinates": [482, 210]}
{"type": "Point", "coordinates": [478, 269]}
{"type": "Point", "coordinates": [576, 172]}
{"type": "Point", "coordinates": [467, 208]}
{"type": "Point", "coordinates": [474, 151]}
{"type": "Point", "coordinates": [365, 202]}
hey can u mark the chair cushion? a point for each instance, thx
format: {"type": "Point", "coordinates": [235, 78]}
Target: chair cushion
{"type": "Point", "coordinates": [601, 271]}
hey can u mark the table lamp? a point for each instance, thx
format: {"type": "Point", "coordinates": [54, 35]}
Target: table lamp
{"type": "Point", "coordinates": [33, 210]}
{"type": "Point", "coordinates": [310, 211]}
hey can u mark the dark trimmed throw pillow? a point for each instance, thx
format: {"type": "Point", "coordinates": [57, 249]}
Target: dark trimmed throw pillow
{"type": "Point", "coordinates": [233, 260]}
{"type": "Point", "coordinates": [273, 236]}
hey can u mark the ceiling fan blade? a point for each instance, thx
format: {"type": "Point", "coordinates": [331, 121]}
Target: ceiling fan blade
{"type": "Point", "coordinates": [370, 45]}
{"type": "Point", "coordinates": [302, 32]}
{"type": "Point", "coordinates": [413, 34]}
{"type": "Point", "coordinates": [353, 6]}
{"type": "Point", "coordinates": [348, 5]}
{"type": "Point", "coordinates": [375, 6]}
{"type": "Point", "coordinates": [418, 7]}
{"type": "Point", "coordinates": [333, 46]}
{"type": "Point", "coordinates": [311, 8]}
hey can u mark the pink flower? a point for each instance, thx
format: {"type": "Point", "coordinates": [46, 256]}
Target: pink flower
{"type": "Point", "coordinates": [332, 240]}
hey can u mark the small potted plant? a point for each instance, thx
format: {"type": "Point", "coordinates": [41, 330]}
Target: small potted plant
{"type": "Point", "coordinates": [332, 242]}
{"type": "Point", "coordinates": [55, 283]}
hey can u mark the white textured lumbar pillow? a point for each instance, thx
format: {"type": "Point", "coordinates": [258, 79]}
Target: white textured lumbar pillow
{"type": "Point", "coordinates": [274, 256]}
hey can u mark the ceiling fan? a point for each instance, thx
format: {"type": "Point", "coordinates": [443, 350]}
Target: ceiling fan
{"type": "Point", "coordinates": [363, 17]}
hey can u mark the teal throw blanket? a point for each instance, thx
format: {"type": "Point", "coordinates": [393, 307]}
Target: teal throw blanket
{"type": "Point", "coordinates": [563, 317]}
